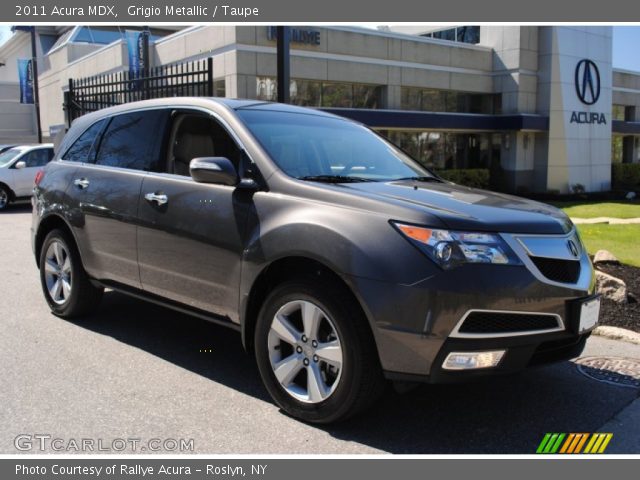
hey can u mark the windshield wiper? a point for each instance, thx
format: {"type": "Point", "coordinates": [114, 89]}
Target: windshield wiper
{"type": "Point", "coordinates": [335, 179]}
{"type": "Point", "coordinates": [419, 179]}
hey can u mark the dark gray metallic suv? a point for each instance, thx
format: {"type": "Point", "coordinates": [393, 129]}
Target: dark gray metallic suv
{"type": "Point", "coordinates": [340, 260]}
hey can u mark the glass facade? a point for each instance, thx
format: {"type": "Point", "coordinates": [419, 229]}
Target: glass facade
{"type": "Point", "coordinates": [623, 112]}
{"type": "Point", "coordinates": [313, 93]}
{"type": "Point", "coordinates": [431, 100]}
{"type": "Point", "coordinates": [465, 34]}
{"type": "Point", "coordinates": [102, 35]}
{"type": "Point", "coordinates": [618, 112]}
{"type": "Point", "coordinates": [617, 148]}
{"type": "Point", "coordinates": [219, 88]}
{"type": "Point", "coordinates": [446, 150]}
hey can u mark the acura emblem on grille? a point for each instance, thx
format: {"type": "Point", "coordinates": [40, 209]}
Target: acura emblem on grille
{"type": "Point", "coordinates": [573, 248]}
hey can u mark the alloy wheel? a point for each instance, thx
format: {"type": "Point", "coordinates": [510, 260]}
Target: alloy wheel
{"type": "Point", "coordinates": [4, 198]}
{"type": "Point", "coordinates": [57, 272]}
{"type": "Point", "coordinates": [305, 351]}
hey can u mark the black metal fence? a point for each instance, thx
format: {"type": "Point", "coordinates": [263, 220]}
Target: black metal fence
{"type": "Point", "coordinates": [176, 80]}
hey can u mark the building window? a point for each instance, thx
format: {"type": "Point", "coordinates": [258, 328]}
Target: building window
{"type": "Point", "coordinates": [219, 88]}
{"type": "Point", "coordinates": [266, 89]}
{"type": "Point", "coordinates": [310, 93]}
{"type": "Point", "coordinates": [446, 150]}
{"type": "Point", "coordinates": [431, 100]}
{"type": "Point", "coordinates": [465, 34]}
{"type": "Point", "coordinates": [617, 112]}
{"type": "Point", "coordinates": [337, 95]}
{"type": "Point", "coordinates": [617, 148]}
{"type": "Point", "coordinates": [468, 34]}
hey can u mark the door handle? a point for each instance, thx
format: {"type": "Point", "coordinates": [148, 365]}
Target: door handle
{"type": "Point", "coordinates": [81, 183]}
{"type": "Point", "coordinates": [159, 199]}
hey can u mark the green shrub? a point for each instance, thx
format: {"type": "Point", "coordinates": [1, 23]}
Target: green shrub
{"type": "Point", "coordinates": [476, 177]}
{"type": "Point", "coordinates": [625, 176]}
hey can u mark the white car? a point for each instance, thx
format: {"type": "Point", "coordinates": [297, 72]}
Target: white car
{"type": "Point", "coordinates": [18, 168]}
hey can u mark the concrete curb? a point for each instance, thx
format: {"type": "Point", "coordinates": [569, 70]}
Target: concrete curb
{"type": "Point", "coordinates": [605, 220]}
{"type": "Point", "coordinates": [616, 333]}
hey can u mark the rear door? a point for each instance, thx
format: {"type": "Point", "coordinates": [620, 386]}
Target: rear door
{"type": "Point", "coordinates": [23, 177]}
{"type": "Point", "coordinates": [105, 191]}
{"type": "Point", "coordinates": [190, 244]}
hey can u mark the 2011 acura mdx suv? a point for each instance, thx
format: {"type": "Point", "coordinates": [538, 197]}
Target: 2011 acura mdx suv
{"type": "Point", "coordinates": [342, 261]}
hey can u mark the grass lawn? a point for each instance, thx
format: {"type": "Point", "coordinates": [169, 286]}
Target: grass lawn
{"type": "Point", "coordinates": [621, 209]}
{"type": "Point", "coordinates": [621, 240]}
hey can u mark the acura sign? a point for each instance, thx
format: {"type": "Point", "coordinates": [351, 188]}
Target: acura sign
{"type": "Point", "coordinates": [587, 83]}
{"type": "Point", "coordinates": [587, 80]}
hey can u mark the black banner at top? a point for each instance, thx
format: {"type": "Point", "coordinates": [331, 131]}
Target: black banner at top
{"type": "Point", "coordinates": [275, 11]}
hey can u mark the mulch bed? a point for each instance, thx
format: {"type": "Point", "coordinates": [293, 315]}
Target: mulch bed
{"type": "Point", "coordinates": [623, 315]}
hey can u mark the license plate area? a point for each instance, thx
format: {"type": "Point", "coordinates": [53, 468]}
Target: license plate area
{"type": "Point", "coordinates": [588, 313]}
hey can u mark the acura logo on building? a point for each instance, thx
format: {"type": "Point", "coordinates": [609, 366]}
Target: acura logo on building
{"type": "Point", "coordinates": [587, 82]}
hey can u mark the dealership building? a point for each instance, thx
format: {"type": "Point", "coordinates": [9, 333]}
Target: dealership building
{"type": "Point", "coordinates": [542, 105]}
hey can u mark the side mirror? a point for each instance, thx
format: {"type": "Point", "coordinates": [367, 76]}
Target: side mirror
{"type": "Point", "coordinates": [218, 170]}
{"type": "Point", "coordinates": [20, 165]}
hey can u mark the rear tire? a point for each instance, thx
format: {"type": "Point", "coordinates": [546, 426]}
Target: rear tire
{"type": "Point", "coordinates": [65, 284]}
{"type": "Point", "coordinates": [326, 375]}
{"type": "Point", "coordinates": [5, 197]}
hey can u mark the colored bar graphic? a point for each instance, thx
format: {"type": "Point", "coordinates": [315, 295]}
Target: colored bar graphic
{"type": "Point", "coordinates": [543, 443]}
{"type": "Point", "coordinates": [583, 440]}
{"type": "Point", "coordinates": [568, 443]}
{"type": "Point", "coordinates": [573, 443]}
{"type": "Point", "coordinates": [607, 439]}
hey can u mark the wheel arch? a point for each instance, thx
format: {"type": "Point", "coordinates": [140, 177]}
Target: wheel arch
{"type": "Point", "coordinates": [280, 270]}
{"type": "Point", "coordinates": [46, 225]}
{"type": "Point", "coordinates": [12, 194]}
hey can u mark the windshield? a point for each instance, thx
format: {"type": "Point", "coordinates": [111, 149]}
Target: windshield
{"type": "Point", "coordinates": [314, 147]}
{"type": "Point", "coordinates": [8, 156]}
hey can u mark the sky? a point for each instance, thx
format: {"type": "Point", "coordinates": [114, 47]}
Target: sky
{"type": "Point", "coordinates": [626, 54]}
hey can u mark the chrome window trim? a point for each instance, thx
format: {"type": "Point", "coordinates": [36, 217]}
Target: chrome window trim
{"type": "Point", "coordinates": [207, 111]}
{"type": "Point", "coordinates": [455, 333]}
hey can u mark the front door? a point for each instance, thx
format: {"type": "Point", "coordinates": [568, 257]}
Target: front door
{"type": "Point", "coordinates": [190, 239]}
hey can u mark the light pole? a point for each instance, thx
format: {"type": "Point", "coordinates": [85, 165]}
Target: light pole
{"type": "Point", "coordinates": [284, 37]}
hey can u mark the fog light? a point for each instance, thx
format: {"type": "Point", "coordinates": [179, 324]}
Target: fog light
{"type": "Point", "coordinates": [472, 360]}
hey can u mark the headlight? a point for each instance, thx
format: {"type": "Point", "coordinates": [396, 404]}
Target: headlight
{"type": "Point", "coordinates": [449, 248]}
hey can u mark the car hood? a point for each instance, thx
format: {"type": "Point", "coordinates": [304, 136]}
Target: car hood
{"type": "Point", "coordinates": [463, 208]}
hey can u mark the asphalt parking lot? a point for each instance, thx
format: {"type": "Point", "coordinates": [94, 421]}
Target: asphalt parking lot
{"type": "Point", "coordinates": [135, 370]}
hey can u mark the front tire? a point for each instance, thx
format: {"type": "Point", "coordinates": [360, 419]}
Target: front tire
{"type": "Point", "coordinates": [65, 284]}
{"type": "Point", "coordinates": [315, 352]}
{"type": "Point", "coordinates": [5, 197]}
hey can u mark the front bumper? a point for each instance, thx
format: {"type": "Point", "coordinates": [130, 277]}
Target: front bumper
{"type": "Point", "coordinates": [415, 325]}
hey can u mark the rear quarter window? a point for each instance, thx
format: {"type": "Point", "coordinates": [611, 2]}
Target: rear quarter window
{"type": "Point", "coordinates": [81, 150]}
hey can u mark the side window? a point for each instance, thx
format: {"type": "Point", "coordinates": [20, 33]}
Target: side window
{"type": "Point", "coordinates": [81, 150]}
{"type": "Point", "coordinates": [133, 140]}
{"type": "Point", "coordinates": [37, 158]}
{"type": "Point", "coordinates": [196, 135]}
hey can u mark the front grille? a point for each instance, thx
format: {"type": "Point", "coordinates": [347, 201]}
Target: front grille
{"type": "Point", "coordinates": [563, 271]}
{"type": "Point", "coordinates": [507, 323]}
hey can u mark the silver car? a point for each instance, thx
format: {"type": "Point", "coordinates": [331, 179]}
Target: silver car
{"type": "Point", "coordinates": [18, 168]}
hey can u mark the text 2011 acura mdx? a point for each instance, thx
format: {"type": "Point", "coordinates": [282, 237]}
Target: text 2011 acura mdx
{"type": "Point", "coordinates": [340, 260]}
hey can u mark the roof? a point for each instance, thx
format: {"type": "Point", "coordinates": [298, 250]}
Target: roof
{"type": "Point", "coordinates": [204, 102]}
{"type": "Point", "coordinates": [32, 146]}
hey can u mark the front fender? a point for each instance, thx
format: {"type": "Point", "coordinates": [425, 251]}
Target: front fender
{"type": "Point", "coordinates": [350, 241]}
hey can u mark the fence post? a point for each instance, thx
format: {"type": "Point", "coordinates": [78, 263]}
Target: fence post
{"type": "Point", "coordinates": [70, 103]}
{"type": "Point", "coordinates": [211, 93]}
